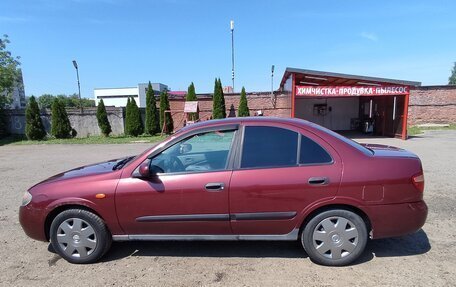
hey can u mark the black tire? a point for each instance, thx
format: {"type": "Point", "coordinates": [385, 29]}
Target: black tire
{"type": "Point", "coordinates": [326, 230]}
{"type": "Point", "coordinates": [79, 236]}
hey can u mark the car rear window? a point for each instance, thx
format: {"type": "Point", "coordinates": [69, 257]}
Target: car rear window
{"type": "Point", "coordinates": [312, 153]}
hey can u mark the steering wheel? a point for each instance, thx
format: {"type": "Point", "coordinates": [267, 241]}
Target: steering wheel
{"type": "Point", "coordinates": [174, 164]}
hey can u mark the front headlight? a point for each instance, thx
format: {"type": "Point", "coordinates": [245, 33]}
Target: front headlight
{"type": "Point", "coordinates": [26, 198]}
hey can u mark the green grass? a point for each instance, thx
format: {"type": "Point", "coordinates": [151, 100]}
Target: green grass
{"type": "Point", "coordinates": [22, 140]}
{"type": "Point", "coordinates": [415, 130]}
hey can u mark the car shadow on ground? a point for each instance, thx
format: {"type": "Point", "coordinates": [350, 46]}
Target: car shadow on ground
{"type": "Point", "coordinates": [409, 245]}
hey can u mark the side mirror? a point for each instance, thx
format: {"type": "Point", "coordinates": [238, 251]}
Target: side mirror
{"type": "Point", "coordinates": [185, 148]}
{"type": "Point", "coordinates": [144, 169]}
{"type": "Point", "coordinates": [148, 170]}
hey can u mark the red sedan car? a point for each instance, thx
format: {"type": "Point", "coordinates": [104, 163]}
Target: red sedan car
{"type": "Point", "coordinates": [235, 179]}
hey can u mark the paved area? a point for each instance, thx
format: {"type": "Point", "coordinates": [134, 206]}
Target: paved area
{"type": "Point", "coordinates": [427, 258]}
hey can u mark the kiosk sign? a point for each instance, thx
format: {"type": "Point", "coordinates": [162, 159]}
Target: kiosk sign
{"type": "Point", "coordinates": [350, 91]}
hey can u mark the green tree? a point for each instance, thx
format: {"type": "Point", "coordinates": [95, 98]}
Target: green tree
{"type": "Point", "coordinates": [164, 106]}
{"type": "Point", "coordinates": [152, 116]}
{"type": "Point", "coordinates": [34, 129]}
{"type": "Point", "coordinates": [9, 75]}
{"type": "Point", "coordinates": [133, 122]}
{"type": "Point", "coordinates": [102, 118]}
{"type": "Point", "coordinates": [60, 124]}
{"type": "Point", "coordinates": [45, 101]}
{"type": "Point", "coordinates": [191, 96]}
{"type": "Point", "coordinates": [218, 101]}
{"type": "Point", "coordinates": [243, 110]}
{"type": "Point", "coordinates": [452, 78]}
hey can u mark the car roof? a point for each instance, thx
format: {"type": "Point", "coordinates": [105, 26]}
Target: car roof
{"type": "Point", "coordinates": [227, 121]}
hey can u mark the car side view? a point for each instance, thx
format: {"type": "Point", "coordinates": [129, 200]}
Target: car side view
{"type": "Point", "coordinates": [256, 178]}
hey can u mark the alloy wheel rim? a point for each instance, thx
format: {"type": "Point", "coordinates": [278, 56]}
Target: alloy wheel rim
{"type": "Point", "coordinates": [76, 237]}
{"type": "Point", "coordinates": [335, 237]}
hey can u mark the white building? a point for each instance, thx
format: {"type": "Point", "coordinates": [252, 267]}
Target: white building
{"type": "Point", "coordinates": [17, 94]}
{"type": "Point", "coordinates": [118, 96]}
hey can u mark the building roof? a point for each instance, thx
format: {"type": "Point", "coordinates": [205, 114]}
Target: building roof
{"type": "Point", "coordinates": [312, 77]}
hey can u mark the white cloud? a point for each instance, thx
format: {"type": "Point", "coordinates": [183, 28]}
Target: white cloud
{"type": "Point", "coordinates": [369, 36]}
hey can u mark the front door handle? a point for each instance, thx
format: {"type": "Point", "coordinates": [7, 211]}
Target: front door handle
{"type": "Point", "coordinates": [215, 186]}
{"type": "Point", "coordinates": [318, 181]}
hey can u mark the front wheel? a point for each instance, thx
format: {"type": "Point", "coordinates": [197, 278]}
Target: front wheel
{"type": "Point", "coordinates": [79, 236]}
{"type": "Point", "coordinates": [335, 237]}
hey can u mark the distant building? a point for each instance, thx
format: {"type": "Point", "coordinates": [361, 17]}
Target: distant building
{"type": "Point", "coordinates": [18, 94]}
{"type": "Point", "coordinates": [118, 96]}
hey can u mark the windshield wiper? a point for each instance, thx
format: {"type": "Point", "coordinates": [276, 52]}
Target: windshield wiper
{"type": "Point", "coordinates": [122, 162]}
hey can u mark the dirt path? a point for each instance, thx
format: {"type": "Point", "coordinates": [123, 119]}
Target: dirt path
{"type": "Point", "coordinates": [427, 258]}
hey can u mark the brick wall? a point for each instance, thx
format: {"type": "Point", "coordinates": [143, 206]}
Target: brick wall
{"type": "Point", "coordinates": [256, 101]}
{"type": "Point", "coordinates": [432, 104]}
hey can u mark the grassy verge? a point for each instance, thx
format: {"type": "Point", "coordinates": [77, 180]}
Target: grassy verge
{"type": "Point", "coordinates": [415, 130]}
{"type": "Point", "coordinates": [22, 140]}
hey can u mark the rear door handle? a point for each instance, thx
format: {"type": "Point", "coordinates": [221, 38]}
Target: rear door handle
{"type": "Point", "coordinates": [215, 186]}
{"type": "Point", "coordinates": [318, 181]}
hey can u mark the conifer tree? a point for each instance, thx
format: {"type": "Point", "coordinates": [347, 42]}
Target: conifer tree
{"type": "Point", "coordinates": [243, 110]}
{"type": "Point", "coordinates": [452, 78]}
{"type": "Point", "coordinates": [34, 129]}
{"type": "Point", "coordinates": [218, 101]}
{"type": "Point", "coordinates": [102, 119]}
{"type": "Point", "coordinates": [133, 120]}
{"type": "Point", "coordinates": [127, 118]}
{"type": "Point", "coordinates": [60, 124]}
{"type": "Point", "coordinates": [191, 96]}
{"type": "Point", "coordinates": [152, 125]}
{"type": "Point", "coordinates": [164, 106]}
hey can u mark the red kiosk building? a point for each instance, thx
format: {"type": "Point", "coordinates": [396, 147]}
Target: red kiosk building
{"type": "Point", "coordinates": [343, 102]}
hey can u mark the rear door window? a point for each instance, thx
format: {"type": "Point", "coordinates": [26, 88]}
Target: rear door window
{"type": "Point", "coordinates": [269, 147]}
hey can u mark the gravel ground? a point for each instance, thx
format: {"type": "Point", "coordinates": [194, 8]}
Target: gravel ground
{"type": "Point", "coordinates": [425, 258]}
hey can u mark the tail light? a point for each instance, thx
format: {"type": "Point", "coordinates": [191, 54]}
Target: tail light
{"type": "Point", "coordinates": [418, 181]}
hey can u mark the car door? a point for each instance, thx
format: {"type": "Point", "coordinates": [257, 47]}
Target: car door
{"type": "Point", "coordinates": [189, 195]}
{"type": "Point", "coordinates": [280, 172]}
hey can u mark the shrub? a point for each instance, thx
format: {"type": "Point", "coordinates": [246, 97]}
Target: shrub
{"type": "Point", "coordinates": [60, 124]}
{"type": "Point", "coordinates": [34, 129]}
{"type": "Point", "coordinates": [102, 119]}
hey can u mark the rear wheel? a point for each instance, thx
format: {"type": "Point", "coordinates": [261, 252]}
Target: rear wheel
{"type": "Point", "coordinates": [335, 237]}
{"type": "Point", "coordinates": [79, 236]}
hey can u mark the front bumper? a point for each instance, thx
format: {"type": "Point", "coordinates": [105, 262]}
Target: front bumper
{"type": "Point", "coordinates": [32, 222]}
{"type": "Point", "coordinates": [397, 219]}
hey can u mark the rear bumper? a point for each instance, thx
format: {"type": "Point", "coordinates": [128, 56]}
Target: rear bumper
{"type": "Point", "coordinates": [397, 219]}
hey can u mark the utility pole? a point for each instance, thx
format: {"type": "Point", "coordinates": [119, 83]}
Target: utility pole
{"type": "Point", "coordinates": [79, 85]}
{"type": "Point", "coordinates": [232, 51]}
{"type": "Point", "coordinates": [272, 87]}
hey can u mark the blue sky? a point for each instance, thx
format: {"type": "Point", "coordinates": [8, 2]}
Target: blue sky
{"type": "Point", "coordinates": [120, 43]}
